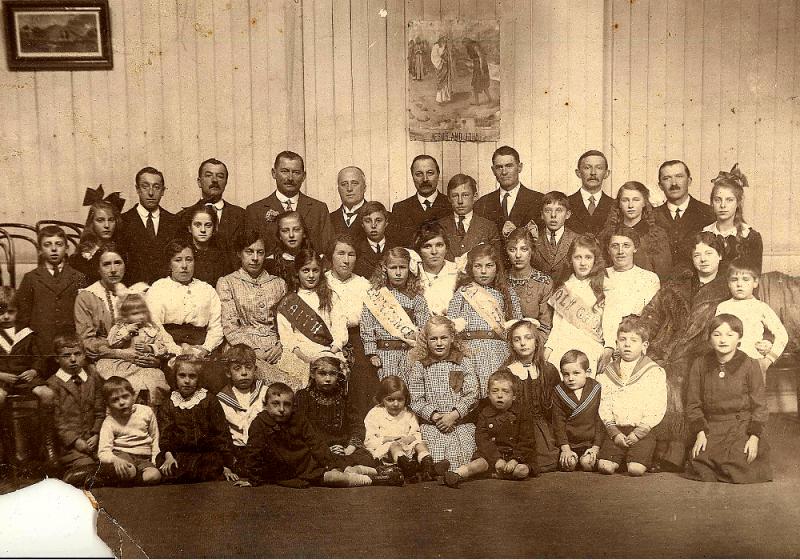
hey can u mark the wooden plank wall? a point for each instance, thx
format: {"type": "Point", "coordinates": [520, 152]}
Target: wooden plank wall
{"type": "Point", "coordinates": [711, 82]}
{"type": "Point", "coordinates": [192, 79]}
{"type": "Point", "coordinates": [355, 84]}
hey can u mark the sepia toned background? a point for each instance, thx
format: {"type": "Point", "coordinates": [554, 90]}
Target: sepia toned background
{"type": "Point", "coordinates": [709, 81]}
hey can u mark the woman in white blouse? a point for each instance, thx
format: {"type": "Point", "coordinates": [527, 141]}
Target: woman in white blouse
{"type": "Point", "coordinates": [437, 275]}
{"type": "Point", "coordinates": [188, 308]}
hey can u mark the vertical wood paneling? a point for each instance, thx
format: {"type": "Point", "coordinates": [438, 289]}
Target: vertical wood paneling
{"type": "Point", "coordinates": [531, 82]}
{"type": "Point", "coordinates": [152, 78]}
{"type": "Point", "coordinates": [561, 96]}
{"type": "Point", "coordinates": [171, 110]}
{"type": "Point", "coordinates": [378, 168]}
{"type": "Point", "coordinates": [241, 167]}
{"type": "Point", "coordinates": [621, 94]}
{"type": "Point", "coordinates": [223, 84]}
{"type": "Point", "coordinates": [782, 156]}
{"type": "Point", "coordinates": [712, 61]}
{"type": "Point", "coordinates": [675, 84]}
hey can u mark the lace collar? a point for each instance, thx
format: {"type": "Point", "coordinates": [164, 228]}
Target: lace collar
{"type": "Point", "coordinates": [189, 403]}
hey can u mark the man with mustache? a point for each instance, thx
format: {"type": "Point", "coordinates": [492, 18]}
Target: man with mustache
{"type": "Point", "coordinates": [212, 178]}
{"type": "Point", "coordinates": [512, 205]}
{"type": "Point", "coordinates": [289, 173]}
{"type": "Point", "coordinates": [428, 205]}
{"type": "Point", "coordinates": [682, 215]}
{"type": "Point", "coordinates": [590, 205]}
{"type": "Point", "coordinates": [146, 229]}
{"type": "Point", "coordinates": [352, 185]}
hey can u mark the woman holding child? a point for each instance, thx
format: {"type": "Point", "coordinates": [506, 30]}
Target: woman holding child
{"type": "Point", "coordinates": [96, 312]}
{"type": "Point", "coordinates": [677, 319]}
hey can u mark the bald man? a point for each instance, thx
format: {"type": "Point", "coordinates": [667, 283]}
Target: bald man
{"type": "Point", "coordinates": [352, 185]}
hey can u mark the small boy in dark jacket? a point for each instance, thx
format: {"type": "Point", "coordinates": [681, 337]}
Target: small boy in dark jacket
{"type": "Point", "coordinates": [577, 426]}
{"type": "Point", "coordinates": [283, 448]}
{"type": "Point", "coordinates": [504, 435]}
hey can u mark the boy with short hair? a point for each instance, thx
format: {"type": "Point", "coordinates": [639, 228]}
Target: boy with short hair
{"type": "Point", "coordinates": [128, 443]}
{"type": "Point", "coordinates": [22, 370]}
{"type": "Point", "coordinates": [284, 448]}
{"type": "Point", "coordinates": [242, 398]}
{"type": "Point", "coordinates": [378, 238]}
{"type": "Point", "coordinates": [504, 435]}
{"type": "Point", "coordinates": [553, 243]}
{"type": "Point", "coordinates": [756, 315]}
{"type": "Point", "coordinates": [79, 410]}
{"type": "Point", "coordinates": [632, 402]}
{"type": "Point", "coordinates": [463, 228]}
{"type": "Point", "coordinates": [46, 296]}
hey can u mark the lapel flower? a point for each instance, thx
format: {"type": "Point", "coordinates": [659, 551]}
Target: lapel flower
{"type": "Point", "coordinates": [271, 215]}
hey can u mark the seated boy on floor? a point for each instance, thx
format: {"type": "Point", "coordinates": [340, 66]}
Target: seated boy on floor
{"type": "Point", "coordinates": [128, 444]}
{"type": "Point", "coordinates": [241, 399]}
{"type": "Point", "coordinates": [633, 400]}
{"type": "Point", "coordinates": [504, 435]}
{"type": "Point", "coordinates": [79, 410]}
{"type": "Point", "coordinates": [283, 448]}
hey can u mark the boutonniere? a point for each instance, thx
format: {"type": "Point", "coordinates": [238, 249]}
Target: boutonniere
{"type": "Point", "coordinates": [271, 215]}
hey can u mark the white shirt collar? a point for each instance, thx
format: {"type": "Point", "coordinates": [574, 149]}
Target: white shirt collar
{"type": "Point", "coordinates": [283, 199]}
{"type": "Point", "coordinates": [672, 207]}
{"type": "Point", "coordinates": [380, 244]}
{"type": "Point", "coordinates": [144, 211]}
{"type": "Point", "coordinates": [432, 198]}
{"type": "Point", "coordinates": [585, 195]}
{"type": "Point", "coordinates": [354, 208]}
{"type": "Point", "coordinates": [559, 232]}
{"type": "Point", "coordinates": [467, 219]}
{"type": "Point", "coordinates": [713, 229]}
{"type": "Point", "coordinates": [51, 268]}
{"type": "Point", "coordinates": [66, 378]}
{"type": "Point", "coordinates": [218, 206]}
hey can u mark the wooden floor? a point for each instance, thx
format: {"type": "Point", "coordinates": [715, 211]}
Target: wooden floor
{"type": "Point", "coordinates": [558, 514]}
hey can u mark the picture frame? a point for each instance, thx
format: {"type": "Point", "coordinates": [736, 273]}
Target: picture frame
{"type": "Point", "coordinates": [58, 35]}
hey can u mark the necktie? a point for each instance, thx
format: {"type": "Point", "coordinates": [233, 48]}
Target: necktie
{"type": "Point", "coordinates": [427, 204]}
{"type": "Point", "coordinates": [151, 228]}
{"type": "Point", "coordinates": [592, 205]}
{"type": "Point", "coordinates": [505, 205]}
{"type": "Point", "coordinates": [553, 243]}
{"type": "Point", "coordinates": [348, 217]}
{"type": "Point", "coordinates": [76, 379]}
{"type": "Point", "coordinates": [677, 214]}
{"type": "Point", "coordinates": [378, 249]}
{"type": "Point", "coordinates": [289, 205]}
{"type": "Point", "coordinates": [56, 273]}
{"type": "Point", "coordinates": [461, 230]}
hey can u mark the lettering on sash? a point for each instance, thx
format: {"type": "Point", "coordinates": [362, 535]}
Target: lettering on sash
{"type": "Point", "coordinates": [577, 312]}
{"type": "Point", "coordinates": [304, 319]}
{"type": "Point", "coordinates": [391, 315]}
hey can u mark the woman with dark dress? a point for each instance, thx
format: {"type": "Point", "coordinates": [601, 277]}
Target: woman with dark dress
{"type": "Point", "coordinates": [292, 235]}
{"type": "Point", "coordinates": [210, 262]}
{"type": "Point", "coordinates": [677, 319]}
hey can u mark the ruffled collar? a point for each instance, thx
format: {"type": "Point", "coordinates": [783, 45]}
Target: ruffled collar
{"type": "Point", "coordinates": [189, 403]}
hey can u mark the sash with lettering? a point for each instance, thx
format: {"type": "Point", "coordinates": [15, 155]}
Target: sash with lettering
{"type": "Point", "coordinates": [304, 319]}
{"type": "Point", "coordinates": [484, 303]}
{"type": "Point", "coordinates": [577, 312]}
{"type": "Point", "coordinates": [391, 315]}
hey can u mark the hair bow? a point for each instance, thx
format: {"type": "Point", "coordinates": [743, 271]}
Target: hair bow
{"type": "Point", "coordinates": [95, 195]}
{"type": "Point", "coordinates": [732, 176]}
{"type": "Point", "coordinates": [414, 262]}
{"type": "Point", "coordinates": [510, 323]}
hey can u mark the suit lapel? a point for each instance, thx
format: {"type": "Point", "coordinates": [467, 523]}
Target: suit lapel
{"type": "Point", "coordinates": [73, 389]}
{"type": "Point", "coordinates": [563, 246]}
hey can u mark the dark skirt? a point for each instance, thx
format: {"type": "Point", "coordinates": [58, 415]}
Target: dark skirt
{"type": "Point", "coordinates": [724, 459]}
{"type": "Point", "coordinates": [194, 466]}
{"type": "Point", "coordinates": [547, 452]}
{"type": "Point", "coordinates": [363, 382]}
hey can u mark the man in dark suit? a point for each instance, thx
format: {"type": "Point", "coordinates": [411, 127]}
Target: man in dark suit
{"type": "Point", "coordinates": [590, 205]}
{"type": "Point", "coordinates": [375, 240]}
{"type": "Point", "coordinates": [428, 205]}
{"type": "Point", "coordinates": [289, 173]}
{"type": "Point", "coordinates": [682, 215]}
{"type": "Point", "coordinates": [512, 205]}
{"type": "Point", "coordinates": [147, 228]}
{"type": "Point", "coordinates": [463, 228]}
{"type": "Point", "coordinates": [212, 178]}
{"type": "Point", "coordinates": [352, 185]}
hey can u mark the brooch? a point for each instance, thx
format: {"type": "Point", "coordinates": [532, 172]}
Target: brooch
{"type": "Point", "coordinates": [271, 215]}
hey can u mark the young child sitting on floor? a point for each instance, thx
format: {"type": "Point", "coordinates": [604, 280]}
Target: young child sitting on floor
{"type": "Point", "coordinates": [755, 315]}
{"type": "Point", "coordinates": [504, 435]}
{"type": "Point", "coordinates": [195, 443]}
{"type": "Point", "coordinates": [23, 371]}
{"type": "Point", "coordinates": [79, 410]}
{"type": "Point", "coordinates": [242, 398]}
{"type": "Point", "coordinates": [128, 444]}
{"type": "Point", "coordinates": [393, 434]}
{"type": "Point", "coordinates": [632, 402]}
{"type": "Point", "coordinates": [284, 448]}
{"type": "Point", "coordinates": [576, 421]}
{"type": "Point", "coordinates": [326, 404]}
{"type": "Point", "coordinates": [726, 407]}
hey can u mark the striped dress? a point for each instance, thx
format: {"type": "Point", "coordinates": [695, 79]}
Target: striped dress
{"type": "Point", "coordinates": [488, 355]}
{"type": "Point", "coordinates": [432, 391]}
{"type": "Point", "coordinates": [394, 362]}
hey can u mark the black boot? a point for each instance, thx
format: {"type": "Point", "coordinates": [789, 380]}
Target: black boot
{"type": "Point", "coordinates": [389, 478]}
{"type": "Point", "coordinates": [81, 476]}
{"type": "Point", "coordinates": [430, 470]}
{"type": "Point", "coordinates": [408, 467]}
{"type": "Point", "coordinates": [49, 442]}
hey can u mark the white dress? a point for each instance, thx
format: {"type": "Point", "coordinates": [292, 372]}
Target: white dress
{"type": "Point", "coordinates": [626, 294]}
{"type": "Point", "coordinates": [380, 424]}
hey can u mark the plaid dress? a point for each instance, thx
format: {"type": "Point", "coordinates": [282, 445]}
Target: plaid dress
{"type": "Point", "coordinates": [442, 386]}
{"type": "Point", "coordinates": [394, 362]}
{"type": "Point", "coordinates": [488, 355]}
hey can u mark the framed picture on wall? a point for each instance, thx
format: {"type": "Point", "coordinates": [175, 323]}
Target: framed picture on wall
{"type": "Point", "coordinates": [50, 35]}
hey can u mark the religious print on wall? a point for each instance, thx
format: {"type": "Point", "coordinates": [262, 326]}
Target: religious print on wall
{"type": "Point", "coordinates": [453, 80]}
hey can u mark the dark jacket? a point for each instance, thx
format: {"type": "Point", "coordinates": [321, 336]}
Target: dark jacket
{"type": "Point", "coordinates": [144, 257]}
{"type": "Point", "coordinates": [356, 230]}
{"type": "Point", "coordinates": [261, 216]}
{"type": "Point", "coordinates": [509, 434]}
{"type": "Point", "coordinates": [231, 225]}
{"type": "Point", "coordinates": [581, 221]}
{"type": "Point", "coordinates": [481, 230]}
{"type": "Point", "coordinates": [367, 260]}
{"type": "Point", "coordinates": [527, 207]}
{"type": "Point", "coordinates": [585, 428]}
{"type": "Point", "coordinates": [408, 215]}
{"type": "Point", "coordinates": [79, 412]}
{"type": "Point", "coordinates": [697, 216]}
{"type": "Point", "coordinates": [555, 264]}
